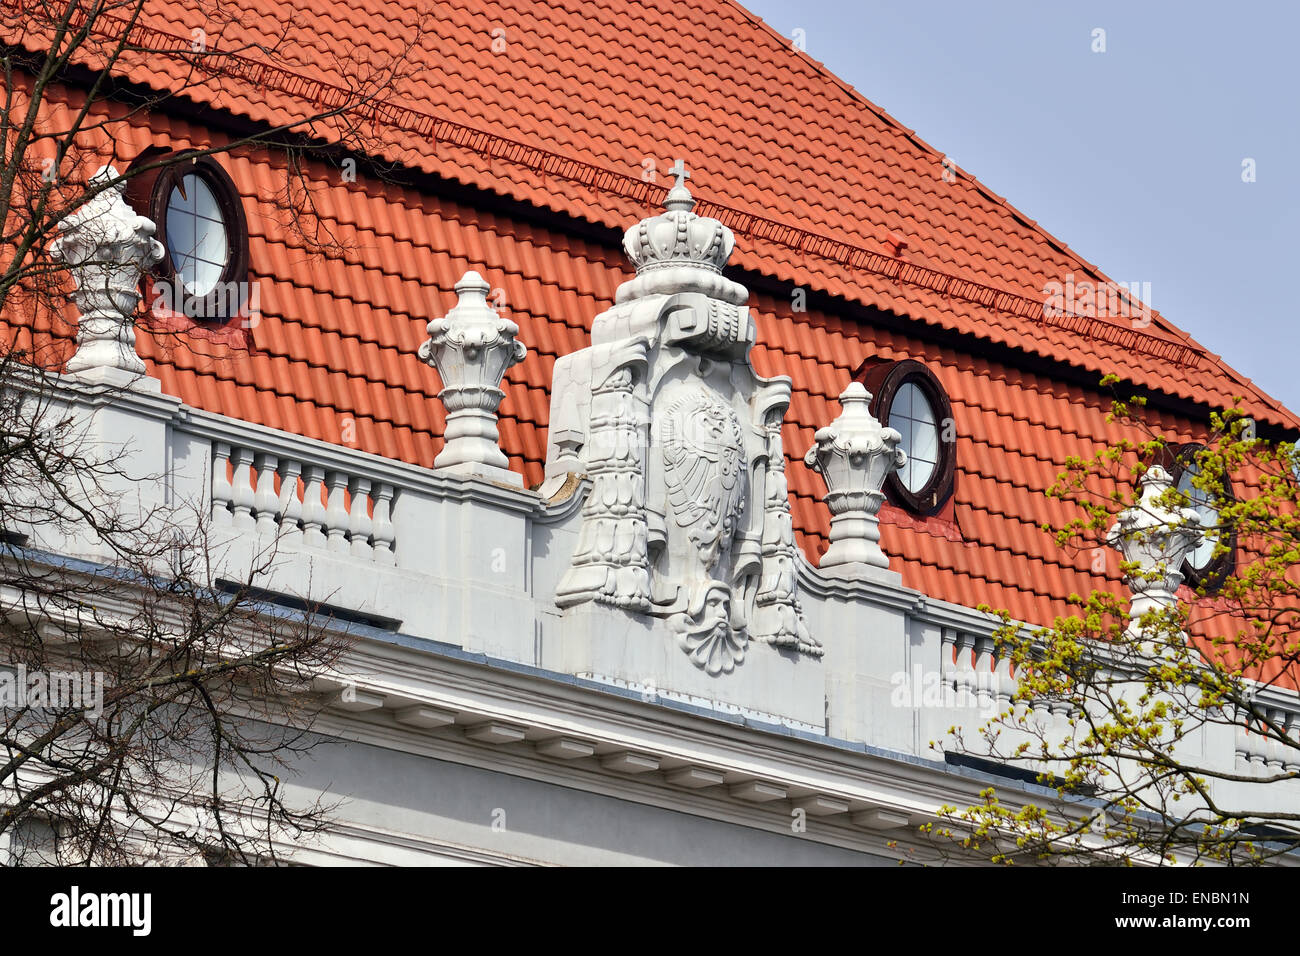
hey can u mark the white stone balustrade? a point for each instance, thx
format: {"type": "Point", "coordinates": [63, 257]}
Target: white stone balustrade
{"type": "Point", "coordinates": [1258, 751]}
{"type": "Point", "coordinates": [973, 674]}
{"type": "Point", "coordinates": [303, 503]}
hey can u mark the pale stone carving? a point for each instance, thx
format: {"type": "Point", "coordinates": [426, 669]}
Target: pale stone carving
{"type": "Point", "coordinates": [107, 247]}
{"type": "Point", "coordinates": [472, 347]}
{"type": "Point", "coordinates": [854, 455]}
{"type": "Point", "coordinates": [778, 617]}
{"type": "Point", "coordinates": [680, 439]}
{"type": "Point", "coordinates": [703, 469]}
{"type": "Point", "coordinates": [611, 562]}
{"type": "Point", "coordinates": [1157, 539]}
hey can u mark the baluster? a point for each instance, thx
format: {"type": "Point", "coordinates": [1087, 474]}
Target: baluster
{"type": "Point", "coordinates": [382, 524]}
{"type": "Point", "coordinates": [221, 490]}
{"type": "Point", "coordinates": [1241, 744]}
{"type": "Point", "coordinates": [984, 672]}
{"type": "Point", "coordinates": [964, 678]}
{"type": "Point", "coordinates": [1061, 711]}
{"type": "Point", "coordinates": [313, 511]}
{"type": "Point", "coordinates": [1042, 714]}
{"type": "Point", "coordinates": [947, 653]}
{"type": "Point", "coordinates": [359, 523]}
{"type": "Point", "coordinates": [336, 511]}
{"type": "Point", "coordinates": [265, 500]}
{"type": "Point", "coordinates": [1005, 686]}
{"type": "Point", "coordinates": [242, 490]}
{"type": "Point", "coordinates": [1273, 748]}
{"type": "Point", "coordinates": [1291, 752]}
{"type": "Point", "coordinates": [1256, 746]}
{"type": "Point", "coordinates": [289, 508]}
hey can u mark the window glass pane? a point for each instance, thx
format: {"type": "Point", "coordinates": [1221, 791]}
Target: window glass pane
{"type": "Point", "coordinates": [925, 442]}
{"type": "Point", "coordinates": [180, 227]}
{"type": "Point", "coordinates": [920, 474]}
{"type": "Point", "coordinates": [196, 235]}
{"type": "Point", "coordinates": [921, 409]}
{"type": "Point", "coordinates": [206, 276]}
{"type": "Point", "coordinates": [182, 198]}
{"type": "Point", "coordinates": [902, 403]}
{"type": "Point", "coordinates": [913, 416]}
{"type": "Point", "coordinates": [1199, 500]}
{"type": "Point", "coordinates": [210, 242]}
{"type": "Point", "coordinates": [205, 204]}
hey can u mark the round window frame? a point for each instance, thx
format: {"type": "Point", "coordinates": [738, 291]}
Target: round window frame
{"type": "Point", "coordinates": [884, 381]}
{"type": "Point", "coordinates": [215, 305]}
{"type": "Point", "coordinates": [1210, 578]}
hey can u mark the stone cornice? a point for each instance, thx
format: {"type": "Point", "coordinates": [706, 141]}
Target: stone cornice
{"type": "Point", "coordinates": [402, 673]}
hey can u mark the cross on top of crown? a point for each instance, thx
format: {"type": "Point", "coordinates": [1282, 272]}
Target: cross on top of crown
{"type": "Point", "coordinates": [681, 172]}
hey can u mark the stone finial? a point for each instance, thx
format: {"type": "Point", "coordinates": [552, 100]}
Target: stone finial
{"type": "Point", "coordinates": [472, 348]}
{"type": "Point", "coordinates": [1157, 539]}
{"type": "Point", "coordinates": [680, 251]}
{"type": "Point", "coordinates": [854, 455]}
{"type": "Point", "coordinates": [107, 247]}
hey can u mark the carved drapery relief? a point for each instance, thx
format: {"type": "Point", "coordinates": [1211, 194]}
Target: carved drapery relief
{"type": "Point", "coordinates": [610, 563]}
{"type": "Point", "coordinates": [779, 616]}
{"type": "Point", "coordinates": [688, 515]}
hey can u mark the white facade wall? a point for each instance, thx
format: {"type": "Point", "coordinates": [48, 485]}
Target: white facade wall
{"type": "Point", "coordinates": [488, 725]}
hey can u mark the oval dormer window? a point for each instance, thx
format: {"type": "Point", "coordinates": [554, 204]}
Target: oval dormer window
{"type": "Point", "coordinates": [200, 221]}
{"type": "Point", "coordinates": [1203, 568]}
{"type": "Point", "coordinates": [907, 397]}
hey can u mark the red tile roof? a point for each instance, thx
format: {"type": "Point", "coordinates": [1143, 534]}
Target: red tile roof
{"type": "Point", "coordinates": [602, 85]}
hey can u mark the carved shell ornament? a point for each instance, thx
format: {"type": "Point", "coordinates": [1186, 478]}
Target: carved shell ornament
{"type": "Point", "coordinates": [704, 469]}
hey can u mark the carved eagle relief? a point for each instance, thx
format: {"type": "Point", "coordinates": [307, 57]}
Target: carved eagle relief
{"type": "Point", "coordinates": [704, 469]}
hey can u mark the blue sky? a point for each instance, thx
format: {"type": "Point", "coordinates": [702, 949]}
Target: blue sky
{"type": "Point", "coordinates": [1133, 157]}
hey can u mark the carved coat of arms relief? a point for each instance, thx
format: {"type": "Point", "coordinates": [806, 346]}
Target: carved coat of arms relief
{"type": "Point", "coordinates": [687, 517]}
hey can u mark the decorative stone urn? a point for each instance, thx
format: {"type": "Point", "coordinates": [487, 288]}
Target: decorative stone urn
{"type": "Point", "coordinates": [471, 348]}
{"type": "Point", "coordinates": [854, 455]}
{"type": "Point", "coordinates": [1157, 539]}
{"type": "Point", "coordinates": [107, 247]}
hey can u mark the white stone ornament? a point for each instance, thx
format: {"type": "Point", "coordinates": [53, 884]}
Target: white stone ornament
{"type": "Point", "coordinates": [106, 246]}
{"type": "Point", "coordinates": [1157, 539]}
{"type": "Point", "coordinates": [471, 348]}
{"type": "Point", "coordinates": [854, 455]}
{"type": "Point", "coordinates": [688, 516]}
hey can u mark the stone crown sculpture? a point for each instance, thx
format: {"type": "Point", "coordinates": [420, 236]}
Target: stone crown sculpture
{"type": "Point", "coordinates": [679, 251]}
{"type": "Point", "coordinates": [688, 517]}
{"type": "Point", "coordinates": [678, 236]}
